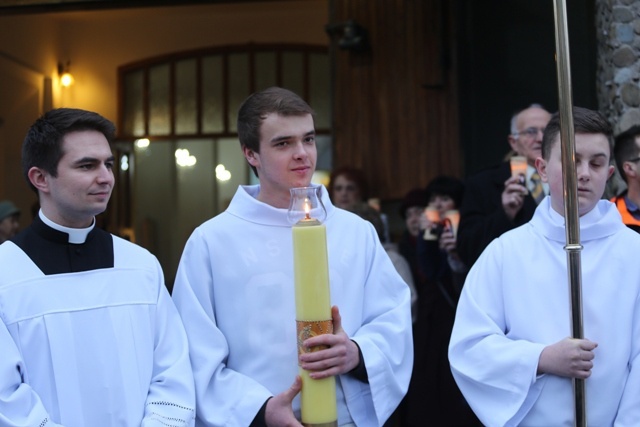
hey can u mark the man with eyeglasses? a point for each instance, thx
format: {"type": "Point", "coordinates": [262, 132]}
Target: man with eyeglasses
{"type": "Point", "coordinates": [494, 201]}
{"type": "Point", "coordinates": [627, 155]}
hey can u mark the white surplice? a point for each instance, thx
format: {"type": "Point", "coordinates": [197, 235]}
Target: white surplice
{"type": "Point", "coordinates": [103, 347]}
{"type": "Point", "coordinates": [515, 302]}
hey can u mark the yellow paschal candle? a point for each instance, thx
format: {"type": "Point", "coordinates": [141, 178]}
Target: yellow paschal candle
{"type": "Point", "coordinates": [313, 315]}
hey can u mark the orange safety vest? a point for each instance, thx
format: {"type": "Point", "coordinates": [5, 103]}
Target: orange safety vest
{"type": "Point", "coordinates": [627, 218]}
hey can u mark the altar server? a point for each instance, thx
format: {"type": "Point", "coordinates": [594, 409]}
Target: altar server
{"type": "Point", "coordinates": [510, 352]}
{"type": "Point", "coordinates": [235, 291]}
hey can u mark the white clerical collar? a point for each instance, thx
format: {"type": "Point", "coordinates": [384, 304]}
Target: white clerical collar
{"type": "Point", "coordinates": [76, 235]}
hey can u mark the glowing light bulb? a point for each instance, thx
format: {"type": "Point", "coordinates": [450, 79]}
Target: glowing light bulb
{"type": "Point", "coordinates": [66, 79]}
{"type": "Point", "coordinates": [142, 142]}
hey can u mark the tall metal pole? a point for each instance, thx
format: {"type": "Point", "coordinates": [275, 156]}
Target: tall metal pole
{"type": "Point", "coordinates": [570, 194]}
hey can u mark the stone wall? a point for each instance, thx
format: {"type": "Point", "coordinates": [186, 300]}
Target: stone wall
{"type": "Point", "coordinates": [618, 82]}
{"type": "Point", "coordinates": [618, 74]}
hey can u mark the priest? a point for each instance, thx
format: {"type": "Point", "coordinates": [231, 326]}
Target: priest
{"type": "Point", "coordinates": [88, 333]}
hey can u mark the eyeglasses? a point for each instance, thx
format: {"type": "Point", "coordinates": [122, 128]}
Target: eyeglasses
{"type": "Point", "coordinates": [529, 132]}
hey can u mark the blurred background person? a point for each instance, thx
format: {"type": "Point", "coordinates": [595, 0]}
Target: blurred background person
{"type": "Point", "coordinates": [433, 398]}
{"type": "Point", "coordinates": [369, 213]}
{"type": "Point", "coordinates": [495, 201]}
{"type": "Point", "coordinates": [365, 211]}
{"type": "Point", "coordinates": [627, 154]}
{"type": "Point", "coordinates": [9, 220]}
{"type": "Point", "coordinates": [347, 187]}
{"type": "Point", "coordinates": [438, 259]}
{"type": "Point", "coordinates": [411, 209]}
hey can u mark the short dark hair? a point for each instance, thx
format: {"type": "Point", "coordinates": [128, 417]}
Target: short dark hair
{"type": "Point", "coordinates": [446, 186]}
{"type": "Point", "coordinates": [257, 106]}
{"type": "Point", "coordinates": [584, 121]}
{"type": "Point", "coordinates": [352, 174]}
{"type": "Point", "coordinates": [416, 197]}
{"type": "Point", "coordinates": [42, 147]}
{"type": "Point", "coordinates": [625, 148]}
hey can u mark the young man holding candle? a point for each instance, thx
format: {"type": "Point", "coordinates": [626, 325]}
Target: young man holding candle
{"type": "Point", "coordinates": [509, 350]}
{"type": "Point", "coordinates": [235, 291]}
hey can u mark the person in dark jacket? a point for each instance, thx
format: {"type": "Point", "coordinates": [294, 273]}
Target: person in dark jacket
{"type": "Point", "coordinates": [495, 201]}
{"type": "Point", "coordinates": [433, 398]}
{"type": "Point", "coordinates": [627, 155]}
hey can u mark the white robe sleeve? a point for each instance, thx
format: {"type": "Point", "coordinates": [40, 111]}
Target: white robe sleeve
{"type": "Point", "coordinates": [385, 339]}
{"type": "Point", "coordinates": [224, 397]}
{"type": "Point", "coordinates": [20, 405]}
{"type": "Point", "coordinates": [629, 409]}
{"type": "Point", "coordinates": [496, 374]}
{"type": "Point", "coordinates": [171, 397]}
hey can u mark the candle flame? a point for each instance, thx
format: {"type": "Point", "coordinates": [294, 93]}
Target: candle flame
{"type": "Point", "coordinates": [307, 208]}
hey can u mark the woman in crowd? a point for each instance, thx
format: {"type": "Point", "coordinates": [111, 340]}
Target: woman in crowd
{"type": "Point", "coordinates": [433, 397]}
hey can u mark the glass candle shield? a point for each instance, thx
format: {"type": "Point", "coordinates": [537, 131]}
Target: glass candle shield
{"type": "Point", "coordinates": [306, 205]}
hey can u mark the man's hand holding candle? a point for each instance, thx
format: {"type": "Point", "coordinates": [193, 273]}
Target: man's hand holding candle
{"type": "Point", "coordinates": [278, 412]}
{"type": "Point", "coordinates": [513, 196]}
{"type": "Point", "coordinates": [340, 357]}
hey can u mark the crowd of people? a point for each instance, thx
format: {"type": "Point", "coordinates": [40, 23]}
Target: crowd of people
{"type": "Point", "coordinates": [462, 319]}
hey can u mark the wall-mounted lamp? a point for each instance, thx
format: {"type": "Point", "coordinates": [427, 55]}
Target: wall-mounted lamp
{"type": "Point", "coordinates": [353, 36]}
{"type": "Point", "coordinates": [66, 78]}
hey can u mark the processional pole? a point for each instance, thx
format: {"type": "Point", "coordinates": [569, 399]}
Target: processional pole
{"type": "Point", "coordinates": [570, 193]}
